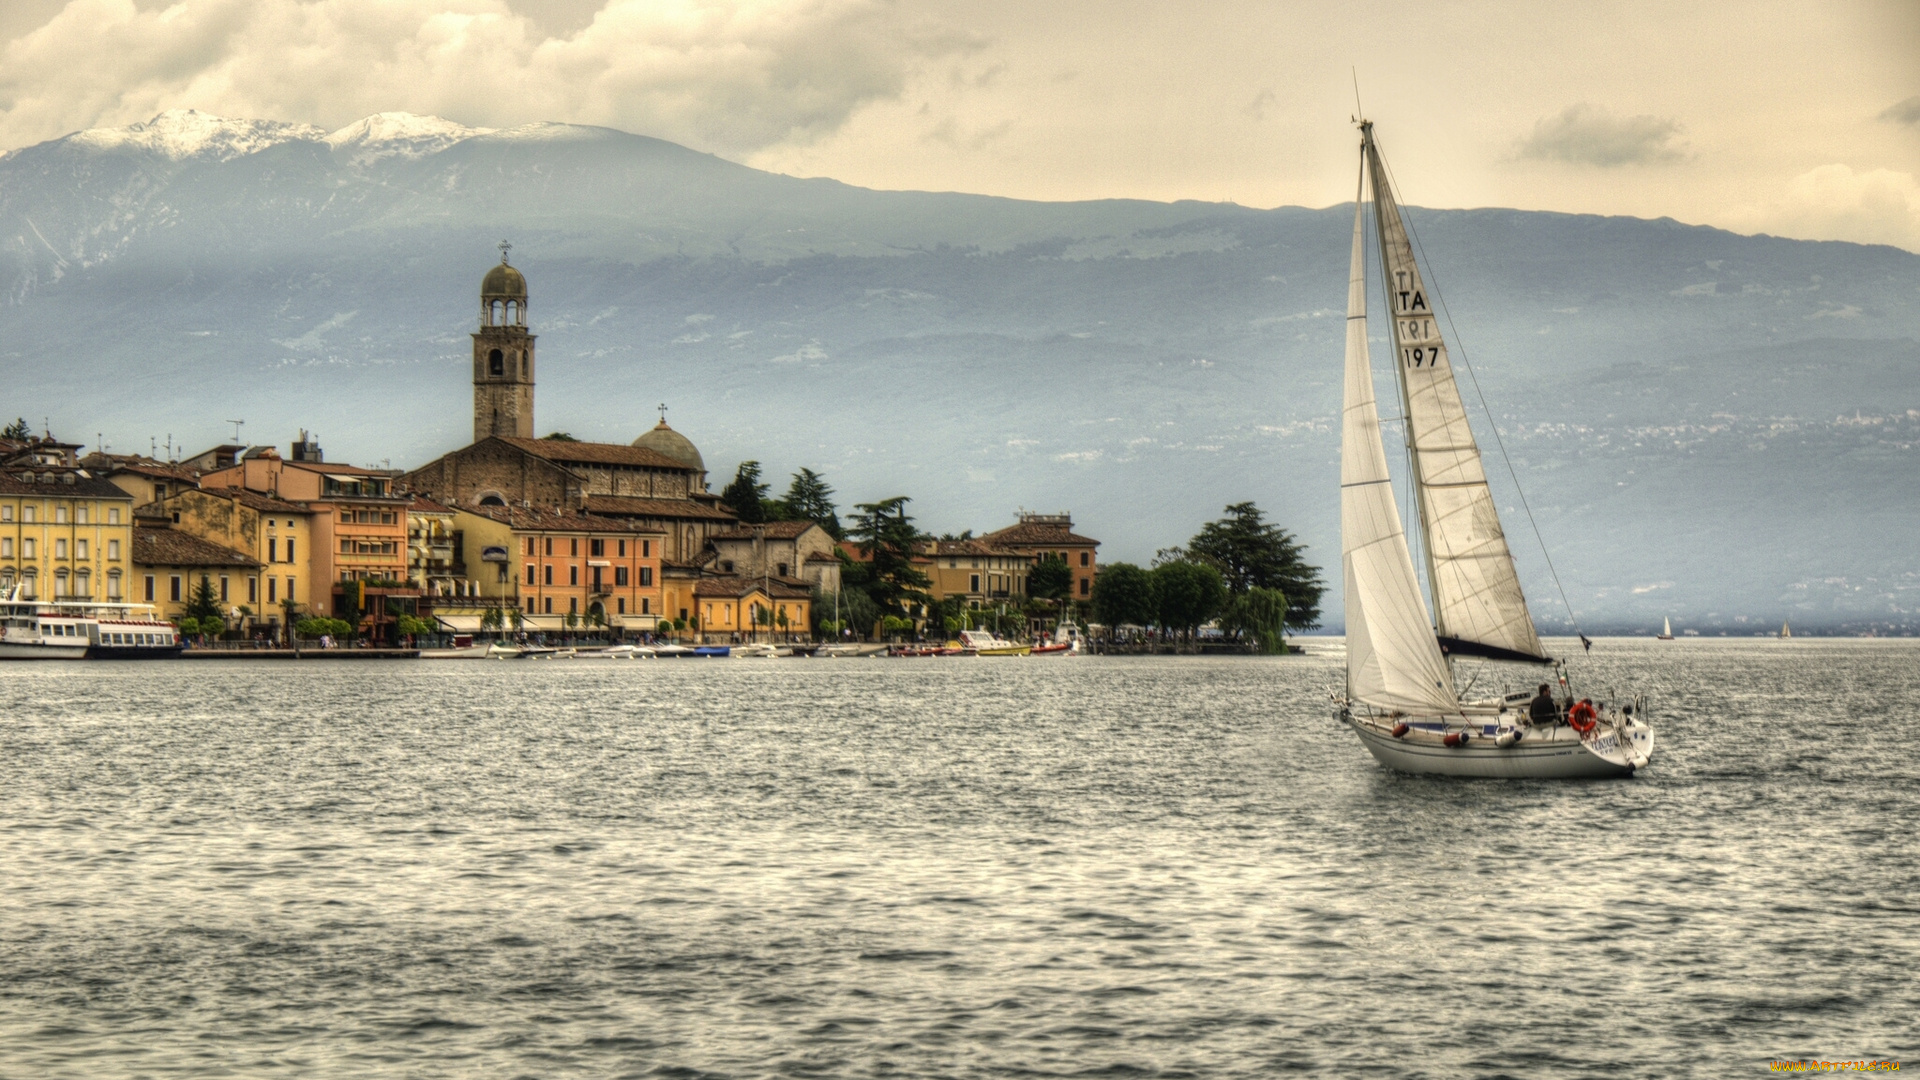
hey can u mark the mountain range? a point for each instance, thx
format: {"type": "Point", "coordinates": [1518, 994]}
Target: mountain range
{"type": "Point", "coordinates": [1723, 429]}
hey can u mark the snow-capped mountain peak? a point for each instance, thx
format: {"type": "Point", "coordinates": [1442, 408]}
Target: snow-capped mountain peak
{"type": "Point", "coordinates": [180, 134]}
{"type": "Point", "coordinates": [399, 134]}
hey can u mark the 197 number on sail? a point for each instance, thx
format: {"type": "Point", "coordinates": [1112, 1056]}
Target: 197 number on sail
{"type": "Point", "coordinates": [1422, 356]}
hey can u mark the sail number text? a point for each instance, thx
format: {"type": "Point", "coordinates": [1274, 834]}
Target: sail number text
{"type": "Point", "coordinates": [1422, 356]}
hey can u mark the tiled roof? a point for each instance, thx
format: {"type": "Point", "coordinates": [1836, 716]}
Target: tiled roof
{"type": "Point", "coordinates": [165, 547]}
{"type": "Point", "coordinates": [547, 520]}
{"type": "Point", "coordinates": [423, 505]}
{"type": "Point", "coordinates": [85, 484]}
{"type": "Point", "coordinates": [967, 547]}
{"type": "Point", "coordinates": [594, 453]}
{"type": "Point", "coordinates": [637, 506]}
{"type": "Point", "coordinates": [1038, 535]}
{"type": "Point", "coordinates": [735, 587]}
{"type": "Point", "coordinates": [776, 530]}
{"type": "Point", "coordinates": [254, 500]}
{"type": "Point", "coordinates": [150, 467]}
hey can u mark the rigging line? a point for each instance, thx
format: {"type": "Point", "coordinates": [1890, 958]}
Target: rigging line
{"type": "Point", "coordinates": [1498, 442]}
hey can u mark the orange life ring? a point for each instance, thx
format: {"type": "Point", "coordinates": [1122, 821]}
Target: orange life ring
{"type": "Point", "coordinates": [1583, 718]}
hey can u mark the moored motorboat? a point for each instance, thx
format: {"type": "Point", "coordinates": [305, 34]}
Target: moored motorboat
{"type": "Point", "coordinates": [987, 643]}
{"type": "Point", "coordinates": [462, 648]}
{"type": "Point", "coordinates": [1400, 697]}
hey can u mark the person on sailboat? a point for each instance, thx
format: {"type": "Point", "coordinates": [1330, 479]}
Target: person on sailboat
{"type": "Point", "coordinates": [1543, 712]}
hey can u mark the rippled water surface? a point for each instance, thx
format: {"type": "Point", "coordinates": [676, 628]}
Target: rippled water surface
{"type": "Point", "coordinates": [949, 867]}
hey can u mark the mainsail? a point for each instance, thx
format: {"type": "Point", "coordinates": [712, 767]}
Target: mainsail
{"type": "Point", "coordinates": [1478, 606]}
{"type": "Point", "coordinates": [1393, 661]}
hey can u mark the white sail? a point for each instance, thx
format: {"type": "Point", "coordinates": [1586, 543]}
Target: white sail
{"type": "Point", "coordinates": [1476, 591]}
{"type": "Point", "coordinates": [1393, 661]}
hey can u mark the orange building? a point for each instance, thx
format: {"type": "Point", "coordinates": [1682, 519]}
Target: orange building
{"type": "Point", "coordinates": [550, 564]}
{"type": "Point", "coordinates": [1041, 535]}
{"type": "Point", "coordinates": [359, 530]}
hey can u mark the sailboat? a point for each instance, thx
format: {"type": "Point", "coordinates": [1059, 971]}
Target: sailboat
{"type": "Point", "coordinates": [1666, 630]}
{"type": "Point", "coordinates": [1785, 630]}
{"type": "Point", "coordinates": [1401, 698]}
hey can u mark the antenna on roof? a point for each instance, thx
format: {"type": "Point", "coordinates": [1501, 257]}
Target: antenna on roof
{"type": "Point", "coordinates": [236, 428]}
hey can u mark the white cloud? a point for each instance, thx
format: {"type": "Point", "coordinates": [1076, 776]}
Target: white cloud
{"type": "Point", "coordinates": [1835, 202]}
{"type": "Point", "coordinates": [726, 75]}
{"type": "Point", "coordinates": [1590, 135]}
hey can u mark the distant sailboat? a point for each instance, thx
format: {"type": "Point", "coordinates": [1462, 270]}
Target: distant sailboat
{"type": "Point", "coordinates": [1666, 630]}
{"type": "Point", "coordinates": [1400, 696]}
{"type": "Point", "coordinates": [1785, 630]}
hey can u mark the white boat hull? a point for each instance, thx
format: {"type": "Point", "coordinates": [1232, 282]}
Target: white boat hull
{"type": "Point", "coordinates": [1556, 753]}
{"type": "Point", "coordinates": [34, 651]}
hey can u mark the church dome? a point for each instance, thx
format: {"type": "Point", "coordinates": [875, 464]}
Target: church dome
{"type": "Point", "coordinates": [505, 282]}
{"type": "Point", "coordinates": [664, 440]}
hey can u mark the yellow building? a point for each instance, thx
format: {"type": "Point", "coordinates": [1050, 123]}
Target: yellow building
{"type": "Point", "coordinates": [276, 534]}
{"type": "Point", "coordinates": [981, 574]}
{"type": "Point", "coordinates": [735, 610]}
{"type": "Point", "coordinates": [65, 533]}
{"type": "Point", "coordinates": [171, 565]}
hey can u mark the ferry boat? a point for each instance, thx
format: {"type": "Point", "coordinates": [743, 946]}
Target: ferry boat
{"type": "Point", "coordinates": [43, 630]}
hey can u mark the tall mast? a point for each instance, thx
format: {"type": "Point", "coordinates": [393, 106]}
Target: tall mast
{"type": "Point", "coordinates": [1378, 174]}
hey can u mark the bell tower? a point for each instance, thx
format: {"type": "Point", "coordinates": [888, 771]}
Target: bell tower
{"type": "Point", "coordinates": [503, 356]}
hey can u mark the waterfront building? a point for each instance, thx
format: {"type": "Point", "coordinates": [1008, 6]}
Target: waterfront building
{"type": "Point", "coordinates": [738, 609]}
{"type": "Point", "coordinates": [979, 573]}
{"type": "Point", "coordinates": [549, 565]}
{"type": "Point", "coordinates": [798, 552]}
{"type": "Point", "coordinates": [276, 534]}
{"type": "Point", "coordinates": [146, 479]}
{"type": "Point", "coordinates": [171, 565]}
{"type": "Point", "coordinates": [358, 525]}
{"type": "Point", "coordinates": [65, 532]}
{"type": "Point", "coordinates": [1041, 535]}
{"type": "Point", "coordinates": [433, 555]}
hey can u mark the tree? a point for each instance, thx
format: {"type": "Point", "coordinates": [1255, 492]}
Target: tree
{"type": "Point", "coordinates": [204, 605]}
{"type": "Point", "coordinates": [491, 619]}
{"type": "Point", "coordinates": [558, 436]}
{"type": "Point", "coordinates": [887, 538]}
{"type": "Point", "coordinates": [1050, 579]}
{"type": "Point", "coordinates": [746, 494]}
{"type": "Point", "coordinates": [809, 498]}
{"type": "Point", "coordinates": [1252, 553]}
{"type": "Point", "coordinates": [1123, 595]}
{"type": "Point", "coordinates": [18, 430]}
{"type": "Point", "coordinates": [1261, 615]}
{"type": "Point", "coordinates": [1187, 594]}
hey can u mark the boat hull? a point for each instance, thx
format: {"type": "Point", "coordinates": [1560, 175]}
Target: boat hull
{"type": "Point", "coordinates": [34, 651]}
{"type": "Point", "coordinates": [133, 652]}
{"type": "Point", "coordinates": [1549, 754]}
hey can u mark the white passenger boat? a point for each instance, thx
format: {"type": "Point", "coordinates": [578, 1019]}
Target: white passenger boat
{"type": "Point", "coordinates": [68, 630]}
{"type": "Point", "coordinates": [1400, 697]}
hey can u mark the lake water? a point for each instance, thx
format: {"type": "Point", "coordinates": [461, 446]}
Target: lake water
{"type": "Point", "coordinates": [940, 868]}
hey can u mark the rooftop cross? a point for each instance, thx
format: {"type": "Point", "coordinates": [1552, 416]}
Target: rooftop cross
{"type": "Point", "coordinates": [505, 246]}
{"type": "Point", "coordinates": [663, 411]}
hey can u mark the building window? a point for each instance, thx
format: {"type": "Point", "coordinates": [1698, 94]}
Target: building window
{"type": "Point", "coordinates": [646, 549]}
{"type": "Point", "coordinates": [549, 570]}
{"type": "Point", "coordinates": [273, 590]}
{"type": "Point", "coordinates": [223, 588]}
{"type": "Point", "coordinates": [6, 513]}
{"type": "Point", "coordinates": [59, 549]}
{"type": "Point", "coordinates": [113, 551]}
{"type": "Point", "coordinates": [273, 550]}
{"type": "Point", "coordinates": [289, 552]}
{"type": "Point", "coordinates": [973, 584]}
{"type": "Point", "coordinates": [253, 590]}
{"type": "Point", "coordinates": [1084, 584]}
{"type": "Point", "coordinates": [289, 586]}
{"type": "Point", "coordinates": [1086, 558]}
{"type": "Point", "coordinates": [83, 585]}
{"type": "Point", "coordinates": [6, 547]}
{"type": "Point", "coordinates": [573, 546]}
{"type": "Point", "coordinates": [620, 605]}
{"type": "Point", "coordinates": [549, 545]}
{"type": "Point", "coordinates": [173, 589]}
{"type": "Point", "coordinates": [80, 515]}
{"type": "Point", "coordinates": [549, 605]}
{"type": "Point", "coordinates": [573, 605]}
{"type": "Point", "coordinates": [113, 515]}
{"type": "Point", "coordinates": [573, 575]}
{"type": "Point", "coordinates": [529, 573]}
{"type": "Point", "coordinates": [26, 546]}
{"type": "Point", "coordinates": [783, 569]}
{"type": "Point", "coordinates": [623, 549]}
{"type": "Point", "coordinates": [59, 515]}
{"type": "Point", "coordinates": [619, 575]}
{"type": "Point", "coordinates": [113, 584]}
{"type": "Point", "coordinates": [26, 514]}
{"type": "Point", "coordinates": [598, 549]}
{"type": "Point", "coordinates": [646, 575]}
{"type": "Point", "coordinates": [644, 605]}
{"type": "Point", "coordinates": [149, 588]}
{"type": "Point", "coordinates": [726, 566]}
{"type": "Point", "coordinates": [79, 549]}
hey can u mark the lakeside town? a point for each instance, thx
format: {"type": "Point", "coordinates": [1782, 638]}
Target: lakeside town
{"type": "Point", "coordinates": [556, 539]}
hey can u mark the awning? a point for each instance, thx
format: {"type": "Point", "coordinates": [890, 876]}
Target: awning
{"type": "Point", "coordinates": [460, 624]}
{"type": "Point", "coordinates": [336, 477]}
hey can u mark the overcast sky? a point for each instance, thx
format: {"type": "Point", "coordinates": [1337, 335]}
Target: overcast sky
{"type": "Point", "coordinates": [1796, 118]}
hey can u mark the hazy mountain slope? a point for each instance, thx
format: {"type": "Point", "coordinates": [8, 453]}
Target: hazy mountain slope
{"type": "Point", "coordinates": [1680, 402]}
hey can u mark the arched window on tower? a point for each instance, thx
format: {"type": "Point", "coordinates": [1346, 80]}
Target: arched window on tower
{"type": "Point", "coordinates": [513, 313]}
{"type": "Point", "coordinates": [494, 308]}
{"type": "Point", "coordinates": [496, 363]}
